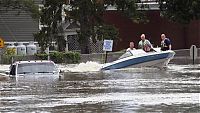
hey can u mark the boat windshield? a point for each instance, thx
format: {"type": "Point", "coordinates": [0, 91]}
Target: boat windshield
{"type": "Point", "coordinates": [44, 67]}
{"type": "Point", "coordinates": [127, 54]}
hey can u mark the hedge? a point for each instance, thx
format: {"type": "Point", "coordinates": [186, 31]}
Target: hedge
{"type": "Point", "coordinates": [57, 57]}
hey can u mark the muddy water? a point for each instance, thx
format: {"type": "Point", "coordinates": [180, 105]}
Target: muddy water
{"type": "Point", "coordinates": [174, 89]}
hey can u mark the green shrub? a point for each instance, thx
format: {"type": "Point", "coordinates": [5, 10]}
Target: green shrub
{"type": "Point", "coordinates": [60, 57]}
{"type": "Point", "coordinates": [77, 57]}
{"type": "Point", "coordinates": [57, 57]}
{"type": "Point", "coordinates": [10, 51]}
{"type": "Point", "coordinates": [72, 57]}
{"type": "Point", "coordinates": [7, 59]}
{"type": "Point", "coordinates": [41, 56]}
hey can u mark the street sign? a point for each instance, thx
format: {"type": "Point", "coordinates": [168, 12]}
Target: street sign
{"type": "Point", "coordinates": [108, 45]}
{"type": "Point", "coordinates": [1, 43]}
{"type": "Point", "coordinates": [193, 53]}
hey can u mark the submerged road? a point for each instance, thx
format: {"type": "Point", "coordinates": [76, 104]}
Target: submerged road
{"type": "Point", "coordinates": [174, 89]}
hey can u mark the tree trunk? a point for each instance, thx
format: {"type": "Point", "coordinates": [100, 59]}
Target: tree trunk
{"type": "Point", "coordinates": [84, 35]}
{"type": "Point", "coordinates": [85, 46]}
{"type": "Point", "coordinates": [61, 43]}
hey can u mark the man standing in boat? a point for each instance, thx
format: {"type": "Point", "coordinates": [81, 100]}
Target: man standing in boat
{"type": "Point", "coordinates": [145, 44]}
{"type": "Point", "coordinates": [165, 43]}
{"type": "Point", "coordinates": [131, 46]}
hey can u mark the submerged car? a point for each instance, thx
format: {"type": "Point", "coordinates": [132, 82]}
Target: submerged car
{"type": "Point", "coordinates": [39, 68]}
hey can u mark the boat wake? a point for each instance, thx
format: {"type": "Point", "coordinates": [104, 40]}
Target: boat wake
{"type": "Point", "coordinates": [82, 67]}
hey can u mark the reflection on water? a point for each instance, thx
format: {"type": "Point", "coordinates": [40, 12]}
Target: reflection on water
{"type": "Point", "coordinates": [174, 89]}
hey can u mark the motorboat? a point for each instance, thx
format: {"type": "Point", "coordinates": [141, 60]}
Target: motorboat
{"type": "Point", "coordinates": [139, 58]}
{"type": "Point", "coordinates": [34, 69]}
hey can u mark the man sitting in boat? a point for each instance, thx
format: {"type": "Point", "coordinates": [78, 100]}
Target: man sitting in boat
{"type": "Point", "coordinates": [131, 46]}
{"type": "Point", "coordinates": [165, 43]}
{"type": "Point", "coordinates": [145, 44]}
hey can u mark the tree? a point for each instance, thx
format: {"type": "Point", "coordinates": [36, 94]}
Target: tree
{"type": "Point", "coordinates": [107, 32]}
{"type": "Point", "coordinates": [26, 5]}
{"type": "Point", "coordinates": [130, 8]}
{"type": "Point", "coordinates": [42, 39]}
{"type": "Point", "coordinates": [182, 11]}
{"type": "Point", "coordinates": [50, 18]}
{"type": "Point", "coordinates": [89, 13]}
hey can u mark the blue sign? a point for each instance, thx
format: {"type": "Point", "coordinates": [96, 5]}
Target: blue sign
{"type": "Point", "coordinates": [108, 45]}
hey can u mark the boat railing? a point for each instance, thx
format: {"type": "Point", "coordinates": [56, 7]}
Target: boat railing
{"type": "Point", "coordinates": [127, 54]}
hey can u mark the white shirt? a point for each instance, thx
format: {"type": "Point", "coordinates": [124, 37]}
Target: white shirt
{"type": "Point", "coordinates": [130, 49]}
{"type": "Point", "coordinates": [144, 43]}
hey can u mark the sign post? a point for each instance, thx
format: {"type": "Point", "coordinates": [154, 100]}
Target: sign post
{"type": "Point", "coordinates": [47, 52]}
{"type": "Point", "coordinates": [107, 46]}
{"type": "Point", "coordinates": [193, 53]}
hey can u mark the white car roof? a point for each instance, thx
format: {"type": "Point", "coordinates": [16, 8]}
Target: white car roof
{"type": "Point", "coordinates": [33, 61]}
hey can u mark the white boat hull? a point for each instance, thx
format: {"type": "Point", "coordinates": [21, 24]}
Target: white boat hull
{"type": "Point", "coordinates": [157, 63]}
{"type": "Point", "coordinates": [139, 58]}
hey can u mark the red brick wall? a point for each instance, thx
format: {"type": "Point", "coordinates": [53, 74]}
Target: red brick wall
{"type": "Point", "coordinates": [193, 34]}
{"type": "Point", "coordinates": [182, 36]}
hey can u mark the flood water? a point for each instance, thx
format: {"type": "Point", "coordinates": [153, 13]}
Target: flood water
{"type": "Point", "coordinates": [174, 89]}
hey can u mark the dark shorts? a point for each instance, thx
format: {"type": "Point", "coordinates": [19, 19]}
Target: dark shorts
{"type": "Point", "coordinates": [165, 48]}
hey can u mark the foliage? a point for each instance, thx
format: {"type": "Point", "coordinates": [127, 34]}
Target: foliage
{"type": "Point", "coordinates": [10, 51]}
{"type": "Point", "coordinates": [107, 32]}
{"type": "Point", "coordinates": [42, 37]}
{"type": "Point", "coordinates": [72, 57]}
{"type": "Point", "coordinates": [89, 14]}
{"type": "Point", "coordinates": [182, 11]}
{"type": "Point", "coordinates": [41, 56]}
{"type": "Point", "coordinates": [7, 59]}
{"type": "Point", "coordinates": [130, 9]}
{"type": "Point", "coordinates": [7, 55]}
{"type": "Point", "coordinates": [25, 5]}
{"type": "Point", "coordinates": [50, 18]}
{"type": "Point", "coordinates": [57, 57]}
{"type": "Point", "coordinates": [60, 57]}
{"type": "Point", "coordinates": [51, 14]}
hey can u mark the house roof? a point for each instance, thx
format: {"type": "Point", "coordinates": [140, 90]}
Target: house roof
{"type": "Point", "coordinates": [15, 26]}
